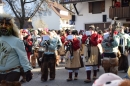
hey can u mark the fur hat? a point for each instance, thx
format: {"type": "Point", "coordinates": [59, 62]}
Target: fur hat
{"type": "Point", "coordinates": [92, 27]}
{"type": "Point", "coordinates": [15, 28]}
{"type": "Point", "coordinates": [106, 77]}
{"type": "Point", "coordinates": [100, 32]}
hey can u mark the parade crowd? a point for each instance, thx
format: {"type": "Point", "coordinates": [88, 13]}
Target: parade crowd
{"type": "Point", "coordinates": [91, 49]}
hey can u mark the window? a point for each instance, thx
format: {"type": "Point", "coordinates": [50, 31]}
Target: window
{"type": "Point", "coordinates": [96, 7]}
{"type": "Point", "coordinates": [125, 3]}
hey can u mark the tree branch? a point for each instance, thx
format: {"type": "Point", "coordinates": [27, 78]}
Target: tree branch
{"type": "Point", "coordinates": [29, 14]}
{"type": "Point", "coordinates": [16, 10]}
{"type": "Point", "coordinates": [30, 1]}
{"type": "Point", "coordinates": [9, 2]}
{"type": "Point", "coordinates": [22, 8]}
{"type": "Point", "coordinates": [37, 8]}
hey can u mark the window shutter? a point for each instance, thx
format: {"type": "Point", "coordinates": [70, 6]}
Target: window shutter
{"type": "Point", "coordinates": [90, 7]}
{"type": "Point", "coordinates": [103, 6]}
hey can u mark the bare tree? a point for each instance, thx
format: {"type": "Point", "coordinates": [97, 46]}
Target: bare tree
{"type": "Point", "coordinates": [22, 9]}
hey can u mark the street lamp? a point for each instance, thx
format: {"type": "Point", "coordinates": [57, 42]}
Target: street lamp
{"type": "Point", "coordinates": [29, 24]}
{"type": "Point", "coordinates": [29, 20]}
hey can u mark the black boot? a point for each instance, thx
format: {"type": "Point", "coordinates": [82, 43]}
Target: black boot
{"type": "Point", "coordinates": [94, 74]}
{"type": "Point", "coordinates": [76, 76]}
{"type": "Point", "coordinates": [70, 76]}
{"type": "Point", "coordinates": [88, 80]}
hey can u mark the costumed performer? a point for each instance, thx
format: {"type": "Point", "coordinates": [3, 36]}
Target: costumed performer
{"type": "Point", "coordinates": [49, 56]}
{"type": "Point", "coordinates": [72, 57]}
{"type": "Point", "coordinates": [124, 45]}
{"type": "Point", "coordinates": [110, 54]}
{"type": "Point", "coordinates": [91, 53]}
{"type": "Point", "coordinates": [13, 58]}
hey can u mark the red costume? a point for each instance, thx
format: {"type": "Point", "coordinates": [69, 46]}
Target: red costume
{"type": "Point", "coordinates": [95, 39]}
{"type": "Point", "coordinates": [73, 60]}
{"type": "Point", "coordinates": [100, 38]}
{"type": "Point", "coordinates": [63, 39]}
{"type": "Point", "coordinates": [84, 37]}
{"type": "Point", "coordinates": [75, 44]}
{"type": "Point", "coordinates": [28, 46]}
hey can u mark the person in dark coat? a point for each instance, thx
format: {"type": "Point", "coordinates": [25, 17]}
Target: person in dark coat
{"type": "Point", "coordinates": [124, 45]}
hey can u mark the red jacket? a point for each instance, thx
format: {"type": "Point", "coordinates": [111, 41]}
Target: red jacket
{"type": "Point", "coordinates": [100, 38]}
{"type": "Point", "coordinates": [75, 42]}
{"type": "Point", "coordinates": [63, 39]}
{"type": "Point", "coordinates": [84, 37]}
{"type": "Point", "coordinates": [95, 39]}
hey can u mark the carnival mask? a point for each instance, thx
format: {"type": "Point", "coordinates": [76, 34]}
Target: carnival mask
{"type": "Point", "coordinates": [6, 28]}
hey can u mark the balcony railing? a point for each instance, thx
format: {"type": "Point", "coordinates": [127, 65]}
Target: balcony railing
{"type": "Point", "coordinates": [120, 12]}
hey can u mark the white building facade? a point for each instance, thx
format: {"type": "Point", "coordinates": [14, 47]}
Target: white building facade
{"type": "Point", "coordinates": [87, 13]}
{"type": "Point", "coordinates": [89, 18]}
{"type": "Point", "coordinates": [55, 16]}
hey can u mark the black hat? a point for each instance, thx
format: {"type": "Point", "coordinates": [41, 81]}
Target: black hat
{"type": "Point", "coordinates": [74, 32]}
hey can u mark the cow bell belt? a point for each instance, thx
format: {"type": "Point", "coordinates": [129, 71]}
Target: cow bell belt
{"type": "Point", "coordinates": [7, 71]}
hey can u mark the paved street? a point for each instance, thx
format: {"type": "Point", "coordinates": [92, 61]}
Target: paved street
{"type": "Point", "coordinates": [61, 76]}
